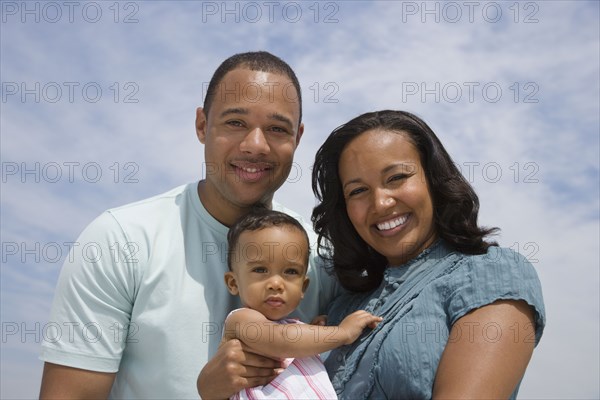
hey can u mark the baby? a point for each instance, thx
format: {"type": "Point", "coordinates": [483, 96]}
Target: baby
{"type": "Point", "coordinates": [268, 259]}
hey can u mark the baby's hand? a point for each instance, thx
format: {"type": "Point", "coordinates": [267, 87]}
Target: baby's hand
{"type": "Point", "coordinates": [354, 324]}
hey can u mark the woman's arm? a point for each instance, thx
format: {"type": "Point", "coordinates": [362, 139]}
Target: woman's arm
{"type": "Point", "coordinates": [294, 340]}
{"type": "Point", "coordinates": [487, 352]}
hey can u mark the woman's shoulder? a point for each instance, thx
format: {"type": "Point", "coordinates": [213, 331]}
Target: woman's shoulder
{"type": "Point", "coordinates": [499, 270]}
{"type": "Point", "coordinates": [499, 274]}
{"type": "Point", "coordinates": [499, 261]}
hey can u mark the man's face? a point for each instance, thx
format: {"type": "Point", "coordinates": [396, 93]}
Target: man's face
{"type": "Point", "coordinates": [250, 135]}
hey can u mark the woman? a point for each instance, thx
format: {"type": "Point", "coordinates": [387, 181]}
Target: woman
{"type": "Point", "coordinates": [461, 316]}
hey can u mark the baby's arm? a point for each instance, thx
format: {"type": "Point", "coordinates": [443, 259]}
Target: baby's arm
{"type": "Point", "coordinates": [294, 340]}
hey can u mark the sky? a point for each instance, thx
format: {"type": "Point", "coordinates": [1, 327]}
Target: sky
{"type": "Point", "coordinates": [98, 104]}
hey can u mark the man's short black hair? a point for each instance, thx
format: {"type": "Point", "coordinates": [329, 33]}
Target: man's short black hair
{"type": "Point", "coordinates": [254, 61]}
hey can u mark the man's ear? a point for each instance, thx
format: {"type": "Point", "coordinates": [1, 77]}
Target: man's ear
{"type": "Point", "coordinates": [200, 124]}
{"type": "Point", "coordinates": [231, 283]}
{"type": "Point", "coordinates": [299, 135]}
{"type": "Point", "coordinates": [305, 286]}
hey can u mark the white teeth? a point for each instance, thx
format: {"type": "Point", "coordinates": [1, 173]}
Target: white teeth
{"type": "Point", "coordinates": [251, 170]}
{"type": "Point", "coordinates": [392, 224]}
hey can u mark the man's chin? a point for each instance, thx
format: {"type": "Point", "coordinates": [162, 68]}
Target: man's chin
{"type": "Point", "coordinates": [245, 201]}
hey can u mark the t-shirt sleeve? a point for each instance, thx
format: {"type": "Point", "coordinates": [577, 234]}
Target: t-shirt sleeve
{"type": "Point", "coordinates": [93, 300]}
{"type": "Point", "coordinates": [501, 274]}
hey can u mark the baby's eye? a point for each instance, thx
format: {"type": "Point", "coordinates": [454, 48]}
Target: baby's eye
{"type": "Point", "coordinates": [292, 271]}
{"type": "Point", "coordinates": [259, 270]}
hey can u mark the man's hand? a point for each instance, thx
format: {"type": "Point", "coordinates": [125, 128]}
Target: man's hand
{"type": "Point", "coordinates": [234, 368]}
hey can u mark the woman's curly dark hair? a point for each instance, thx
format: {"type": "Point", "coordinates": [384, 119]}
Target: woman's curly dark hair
{"type": "Point", "coordinates": [455, 203]}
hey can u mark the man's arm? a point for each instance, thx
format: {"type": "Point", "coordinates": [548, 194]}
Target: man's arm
{"type": "Point", "coordinates": [234, 368]}
{"type": "Point", "coordinates": [488, 358]}
{"type": "Point", "coordinates": [294, 340]}
{"type": "Point", "coordinates": [60, 382]}
{"type": "Point", "coordinates": [98, 290]}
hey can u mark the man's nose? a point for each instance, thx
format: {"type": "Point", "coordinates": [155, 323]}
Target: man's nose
{"type": "Point", "coordinates": [255, 142]}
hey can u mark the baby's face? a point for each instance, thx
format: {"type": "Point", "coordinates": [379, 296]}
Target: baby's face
{"type": "Point", "coordinates": [269, 270]}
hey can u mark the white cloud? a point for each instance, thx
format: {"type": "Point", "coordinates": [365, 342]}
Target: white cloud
{"type": "Point", "coordinates": [370, 59]}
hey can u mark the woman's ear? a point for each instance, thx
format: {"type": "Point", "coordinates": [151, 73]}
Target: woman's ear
{"type": "Point", "coordinates": [231, 283]}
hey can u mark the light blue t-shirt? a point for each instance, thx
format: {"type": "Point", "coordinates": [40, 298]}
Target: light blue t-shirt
{"type": "Point", "coordinates": [142, 293]}
{"type": "Point", "coordinates": [419, 303]}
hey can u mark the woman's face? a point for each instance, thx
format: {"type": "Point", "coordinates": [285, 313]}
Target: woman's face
{"type": "Point", "coordinates": [386, 194]}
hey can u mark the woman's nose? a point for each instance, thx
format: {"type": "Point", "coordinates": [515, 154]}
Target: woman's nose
{"type": "Point", "coordinates": [383, 199]}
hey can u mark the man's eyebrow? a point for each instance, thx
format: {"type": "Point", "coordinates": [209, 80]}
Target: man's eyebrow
{"type": "Point", "coordinates": [238, 110]}
{"type": "Point", "coordinates": [281, 118]}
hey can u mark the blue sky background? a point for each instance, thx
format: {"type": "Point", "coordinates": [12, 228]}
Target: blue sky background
{"type": "Point", "coordinates": [98, 102]}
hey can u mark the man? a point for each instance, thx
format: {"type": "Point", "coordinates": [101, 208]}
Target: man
{"type": "Point", "coordinates": [146, 310]}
